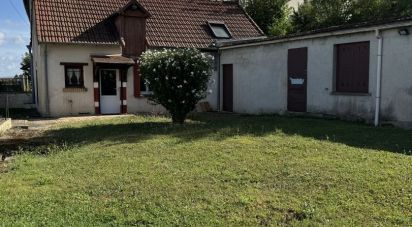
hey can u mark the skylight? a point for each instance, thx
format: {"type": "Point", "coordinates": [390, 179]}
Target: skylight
{"type": "Point", "coordinates": [220, 30]}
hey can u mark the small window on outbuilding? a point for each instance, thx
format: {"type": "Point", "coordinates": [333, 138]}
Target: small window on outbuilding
{"type": "Point", "coordinates": [219, 30]}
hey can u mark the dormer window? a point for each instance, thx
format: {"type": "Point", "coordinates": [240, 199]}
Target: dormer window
{"type": "Point", "coordinates": [219, 30]}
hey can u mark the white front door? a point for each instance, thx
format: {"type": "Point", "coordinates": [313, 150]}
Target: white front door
{"type": "Point", "coordinates": [109, 91]}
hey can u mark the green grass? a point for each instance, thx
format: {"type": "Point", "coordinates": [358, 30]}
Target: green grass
{"type": "Point", "coordinates": [218, 170]}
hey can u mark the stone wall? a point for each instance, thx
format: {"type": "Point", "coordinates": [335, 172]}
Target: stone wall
{"type": "Point", "coordinates": [5, 125]}
{"type": "Point", "coordinates": [17, 101]}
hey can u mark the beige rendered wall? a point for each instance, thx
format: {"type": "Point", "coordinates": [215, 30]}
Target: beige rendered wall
{"type": "Point", "coordinates": [63, 103]}
{"type": "Point", "coordinates": [260, 77]}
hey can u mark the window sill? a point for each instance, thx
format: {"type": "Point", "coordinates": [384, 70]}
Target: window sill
{"type": "Point", "coordinates": [146, 94]}
{"type": "Point", "coordinates": [75, 89]}
{"type": "Point", "coordinates": [350, 94]}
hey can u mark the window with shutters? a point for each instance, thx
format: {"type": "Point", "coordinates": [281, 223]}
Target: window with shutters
{"type": "Point", "coordinates": [352, 67]}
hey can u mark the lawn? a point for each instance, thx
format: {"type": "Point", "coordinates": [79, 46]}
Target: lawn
{"type": "Point", "coordinates": [218, 170]}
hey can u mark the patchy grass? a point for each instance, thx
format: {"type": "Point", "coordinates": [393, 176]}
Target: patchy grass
{"type": "Point", "coordinates": [216, 170]}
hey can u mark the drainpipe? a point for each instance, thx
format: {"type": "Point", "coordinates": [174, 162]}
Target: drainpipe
{"type": "Point", "coordinates": [219, 52]}
{"type": "Point", "coordinates": [46, 76]}
{"type": "Point", "coordinates": [378, 77]}
{"type": "Point", "coordinates": [33, 84]}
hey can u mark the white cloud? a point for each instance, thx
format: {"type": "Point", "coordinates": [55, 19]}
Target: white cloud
{"type": "Point", "coordinates": [10, 63]}
{"type": "Point", "coordinates": [2, 38]}
{"type": "Point", "coordinates": [19, 40]}
{"type": "Point", "coordinates": [14, 36]}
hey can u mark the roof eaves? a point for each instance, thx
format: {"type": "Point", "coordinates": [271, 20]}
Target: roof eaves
{"type": "Point", "coordinates": [335, 30]}
{"type": "Point", "coordinates": [82, 43]}
{"type": "Point", "coordinates": [252, 21]}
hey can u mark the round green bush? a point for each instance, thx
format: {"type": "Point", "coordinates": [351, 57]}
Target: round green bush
{"type": "Point", "coordinates": [178, 79]}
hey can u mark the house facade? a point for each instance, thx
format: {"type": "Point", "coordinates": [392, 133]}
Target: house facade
{"type": "Point", "coordinates": [361, 72]}
{"type": "Point", "coordinates": [86, 53]}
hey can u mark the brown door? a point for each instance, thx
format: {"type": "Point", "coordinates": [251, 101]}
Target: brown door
{"type": "Point", "coordinates": [297, 79]}
{"type": "Point", "coordinates": [228, 88]}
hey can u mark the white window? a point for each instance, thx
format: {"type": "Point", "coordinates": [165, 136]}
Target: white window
{"type": "Point", "coordinates": [144, 88]}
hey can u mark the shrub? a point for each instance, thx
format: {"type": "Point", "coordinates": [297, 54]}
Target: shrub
{"type": "Point", "coordinates": [178, 79]}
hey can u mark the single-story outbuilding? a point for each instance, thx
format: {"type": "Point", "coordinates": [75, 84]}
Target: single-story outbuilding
{"type": "Point", "coordinates": [85, 54]}
{"type": "Point", "coordinates": [362, 71]}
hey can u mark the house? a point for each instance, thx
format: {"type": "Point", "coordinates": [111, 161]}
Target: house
{"type": "Point", "coordinates": [360, 71]}
{"type": "Point", "coordinates": [294, 4]}
{"type": "Point", "coordinates": [85, 53]}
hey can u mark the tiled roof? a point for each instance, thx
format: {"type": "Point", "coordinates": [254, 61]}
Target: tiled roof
{"type": "Point", "coordinates": [173, 23]}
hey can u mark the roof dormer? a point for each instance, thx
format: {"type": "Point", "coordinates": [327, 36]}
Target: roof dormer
{"type": "Point", "coordinates": [131, 26]}
{"type": "Point", "coordinates": [135, 9]}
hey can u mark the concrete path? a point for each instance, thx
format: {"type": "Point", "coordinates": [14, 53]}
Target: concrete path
{"type": "Point", "coordinates": [26, 129]}
{"type": "Point", "coordinates": [33, 131]}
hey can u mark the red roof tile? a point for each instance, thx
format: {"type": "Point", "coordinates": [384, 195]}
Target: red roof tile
{"type": "Point", "coordinates": [173, 23]}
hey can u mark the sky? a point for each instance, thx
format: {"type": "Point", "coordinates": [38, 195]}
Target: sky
{"type": "Point", "coordinates": [14, 36]}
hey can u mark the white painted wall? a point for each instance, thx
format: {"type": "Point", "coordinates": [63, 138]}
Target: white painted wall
{"type": "Point", "coordinates": [397, 77]}
{"type": "Point", "coordinates": [260, 77]}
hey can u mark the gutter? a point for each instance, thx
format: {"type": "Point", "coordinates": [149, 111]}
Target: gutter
{"type": "Point", "coordinates": [80, 43]}
{"type": "Point", "coordinates": [250, 43]}
{"type": "Point", "coordinates": [378, 77]}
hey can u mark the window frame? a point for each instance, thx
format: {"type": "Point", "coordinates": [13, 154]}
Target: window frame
{"type": "Point", "coordinates": [223, 25]}
{"type": "Point", "coordinates": [79, 66]}
{"type": "Point", "coordinates": [338, 77]}
{"type": "Point", "coordinates": [147, 91]}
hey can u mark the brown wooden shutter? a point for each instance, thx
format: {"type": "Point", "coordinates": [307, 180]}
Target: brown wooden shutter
{"type": "Point", "coordinates": [136, 78]}
{"type": "Point", "coordinates": [352, 67]}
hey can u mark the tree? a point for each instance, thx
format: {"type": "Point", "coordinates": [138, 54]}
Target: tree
{"type": "Point", "coordinates": [270, 15]}
{"type": "Point", "coordinates": [365, 10]}
{"type": "Point", "coordinates": [178, 79]}
{"type": "Point", "coordinates": [316, 14]}
{"type": "Point", "coordinates": [25, 65]}
{"type": "Point", "coordinates": [281, 26]}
